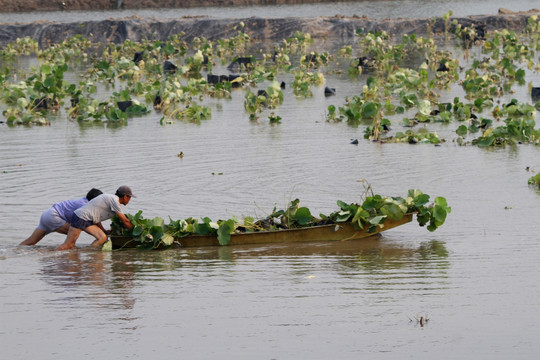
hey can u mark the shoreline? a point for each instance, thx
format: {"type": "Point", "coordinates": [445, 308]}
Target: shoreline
{"type": "Point", "coordinates": [338, 28]}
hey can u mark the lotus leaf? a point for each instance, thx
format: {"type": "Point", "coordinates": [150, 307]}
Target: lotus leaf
{"type": "Point", "coordinates": [137, 230]}
{"type": "Point", "coordinates": [107, 246]}
{"type": "Point", "coordinates": [377, 220]}
{"type": "Point", "coordinates": [224, 231]}
{"type": "Point", "coordinates": [167, 239]}
{"type": "Point", "coordinates": [303, 216]}
{"type": "Point", "coordinates": [361, 216]}
{"type": "Point", "coordinates": [372, 202]}
{"type": "Point", "coordinates": [392, 210]}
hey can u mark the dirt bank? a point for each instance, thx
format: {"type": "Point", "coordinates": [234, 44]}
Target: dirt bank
{"type": "Point", "coordinates": [135, 28]}
{"type": "Point", "coordinates": [56, 5]}
{"type": "Point", "coordinates": [337, 27]}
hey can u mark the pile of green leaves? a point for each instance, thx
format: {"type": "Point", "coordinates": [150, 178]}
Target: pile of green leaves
{"type": "Point", "coordinates": [376, 209]}
{"type": "Point", "coordinates": [371, 214]}
{"type": "Point", "coordinates": [535, 180]}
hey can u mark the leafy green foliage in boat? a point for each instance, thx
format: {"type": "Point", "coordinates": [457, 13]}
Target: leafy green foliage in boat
{"type": "Point", "coordinates": [370, 214]}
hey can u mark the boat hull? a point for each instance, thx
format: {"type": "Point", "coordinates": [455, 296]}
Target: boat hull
{"type": "Point", "coordinates": [334, 232]}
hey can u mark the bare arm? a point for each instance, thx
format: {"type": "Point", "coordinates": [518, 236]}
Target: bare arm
{"type": "Point", "coordinates": [124, 220]}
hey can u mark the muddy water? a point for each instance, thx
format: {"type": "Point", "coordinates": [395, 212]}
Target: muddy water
{"type": "Point", "coordinates": [474, 280]}
{"type": "Point", "coordinates": [377, 9]}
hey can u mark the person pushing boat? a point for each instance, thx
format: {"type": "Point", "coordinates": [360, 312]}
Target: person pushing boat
{"type": "Point", "coordinates": [88, 218]}
{"type": "Point", "coordinates": [57, 217]}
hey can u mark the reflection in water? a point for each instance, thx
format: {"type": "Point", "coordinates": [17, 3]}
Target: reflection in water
{"type": "Point", "coordinates": [68, 269]}
{"type": "Point", "coordinates": [398, 269]}
{"type": "Point", "coordinates": [426, 255]}
{"type": "Point", "coordinates": [357, 249]}
{"type": "Point", "coordinates": [89, 277]}
{"type": "Point", "coordinates": [347, 258]}
{"type": "Point", "coordinates": [106, 279]}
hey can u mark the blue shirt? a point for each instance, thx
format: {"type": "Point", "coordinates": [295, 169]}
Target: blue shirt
{"type": "Point", "coordinates": [66, 208]}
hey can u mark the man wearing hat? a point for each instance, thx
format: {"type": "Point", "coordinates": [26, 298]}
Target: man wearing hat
{"type": "Point", "coordinates": [88, 218]}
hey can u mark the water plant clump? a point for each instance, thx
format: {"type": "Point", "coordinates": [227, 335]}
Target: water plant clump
{"type": "Point", "coordinates": [269, 98]}
{"type": "Point", "coordinates": [535, 180]}
{"type": "Point", "coordinates": [370, 214]}
{"type": "Point", "coordinates": [402, 80]}
{"type": "Point", "coordinates": [518, 128]}
{"type": "Point", "coordinates": [419, 89]}
{"type": "Point", "coordinates": [21, 46]}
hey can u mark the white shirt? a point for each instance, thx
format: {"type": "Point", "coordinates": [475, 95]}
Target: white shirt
{"type": "Point", "coordinates": [100, 208]}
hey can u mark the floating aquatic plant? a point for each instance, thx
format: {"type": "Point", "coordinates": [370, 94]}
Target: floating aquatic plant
{"type": "Point", "coordinates": [274, 119]}
{"type": "Point", "coordinates": [21, 115]}
{"type": "Point", "coordinates": [314, 59]}
{"type": "Point", "coordinates": [358, 108]}
{"type": "Point", "coordinates": [21, 46]}
{"type": "Point", "coordinates": [298, 42]}
{"type": "Point", "coordinates": [393, 92]}
{"type": "Point", "coordinates": [71, 50]}
{"type": "Point", "coordinates": [535, 180]}
{"type": "Point", "coordinates": [236, 45]}
{"type": "Point", "coordinates": [270, 98]}
{"type": "Point", "coordinates": [412, 137]}
{"type": "Point", "coordinates": [304, 80]}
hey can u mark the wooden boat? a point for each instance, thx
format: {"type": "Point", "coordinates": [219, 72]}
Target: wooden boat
{"type": "Point", "coordinates": [333, 232]}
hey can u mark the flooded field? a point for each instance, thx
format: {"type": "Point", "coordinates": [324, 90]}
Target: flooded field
{"type": "Point", "coordinates": [469, 289]}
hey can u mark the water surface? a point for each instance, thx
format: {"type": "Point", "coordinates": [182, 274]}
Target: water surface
{"type": "Point", "coordinates": [377, 9]}
{"type": "Point", "coordinates": [475, 279]}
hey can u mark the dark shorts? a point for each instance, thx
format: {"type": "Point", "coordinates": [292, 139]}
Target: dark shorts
{"type": "Point", "coordinates": [79, 223]}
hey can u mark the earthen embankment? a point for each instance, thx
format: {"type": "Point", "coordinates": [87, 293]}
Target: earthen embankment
{"type": "Point", "coordinates": [340, 28]}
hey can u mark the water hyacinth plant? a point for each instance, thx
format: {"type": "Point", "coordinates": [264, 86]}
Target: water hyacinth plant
{"type": "Point", "coordinates": [401, 81]}
{"type": "Point", "coordinates": [535, 180]}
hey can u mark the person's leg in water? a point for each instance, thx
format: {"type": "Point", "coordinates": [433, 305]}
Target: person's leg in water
{"type": "Point", "coordinates": [36, 236]}
{"type": "Point", "coordinates": [98, 233]}
{"type": "Point", "coordinates": [74, 233]}
{"type": "Point", "coordinates": [39, 234]}
{"type": "Point", "coordinates": [71, 238]}
{"type": "Point", "coordinates": [49, 222]}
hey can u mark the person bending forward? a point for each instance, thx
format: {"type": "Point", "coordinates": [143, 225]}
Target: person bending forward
{"type": "Point", "coordinates": [88, 218]}
{"type": "Point", "coordinates": [57, 217]}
